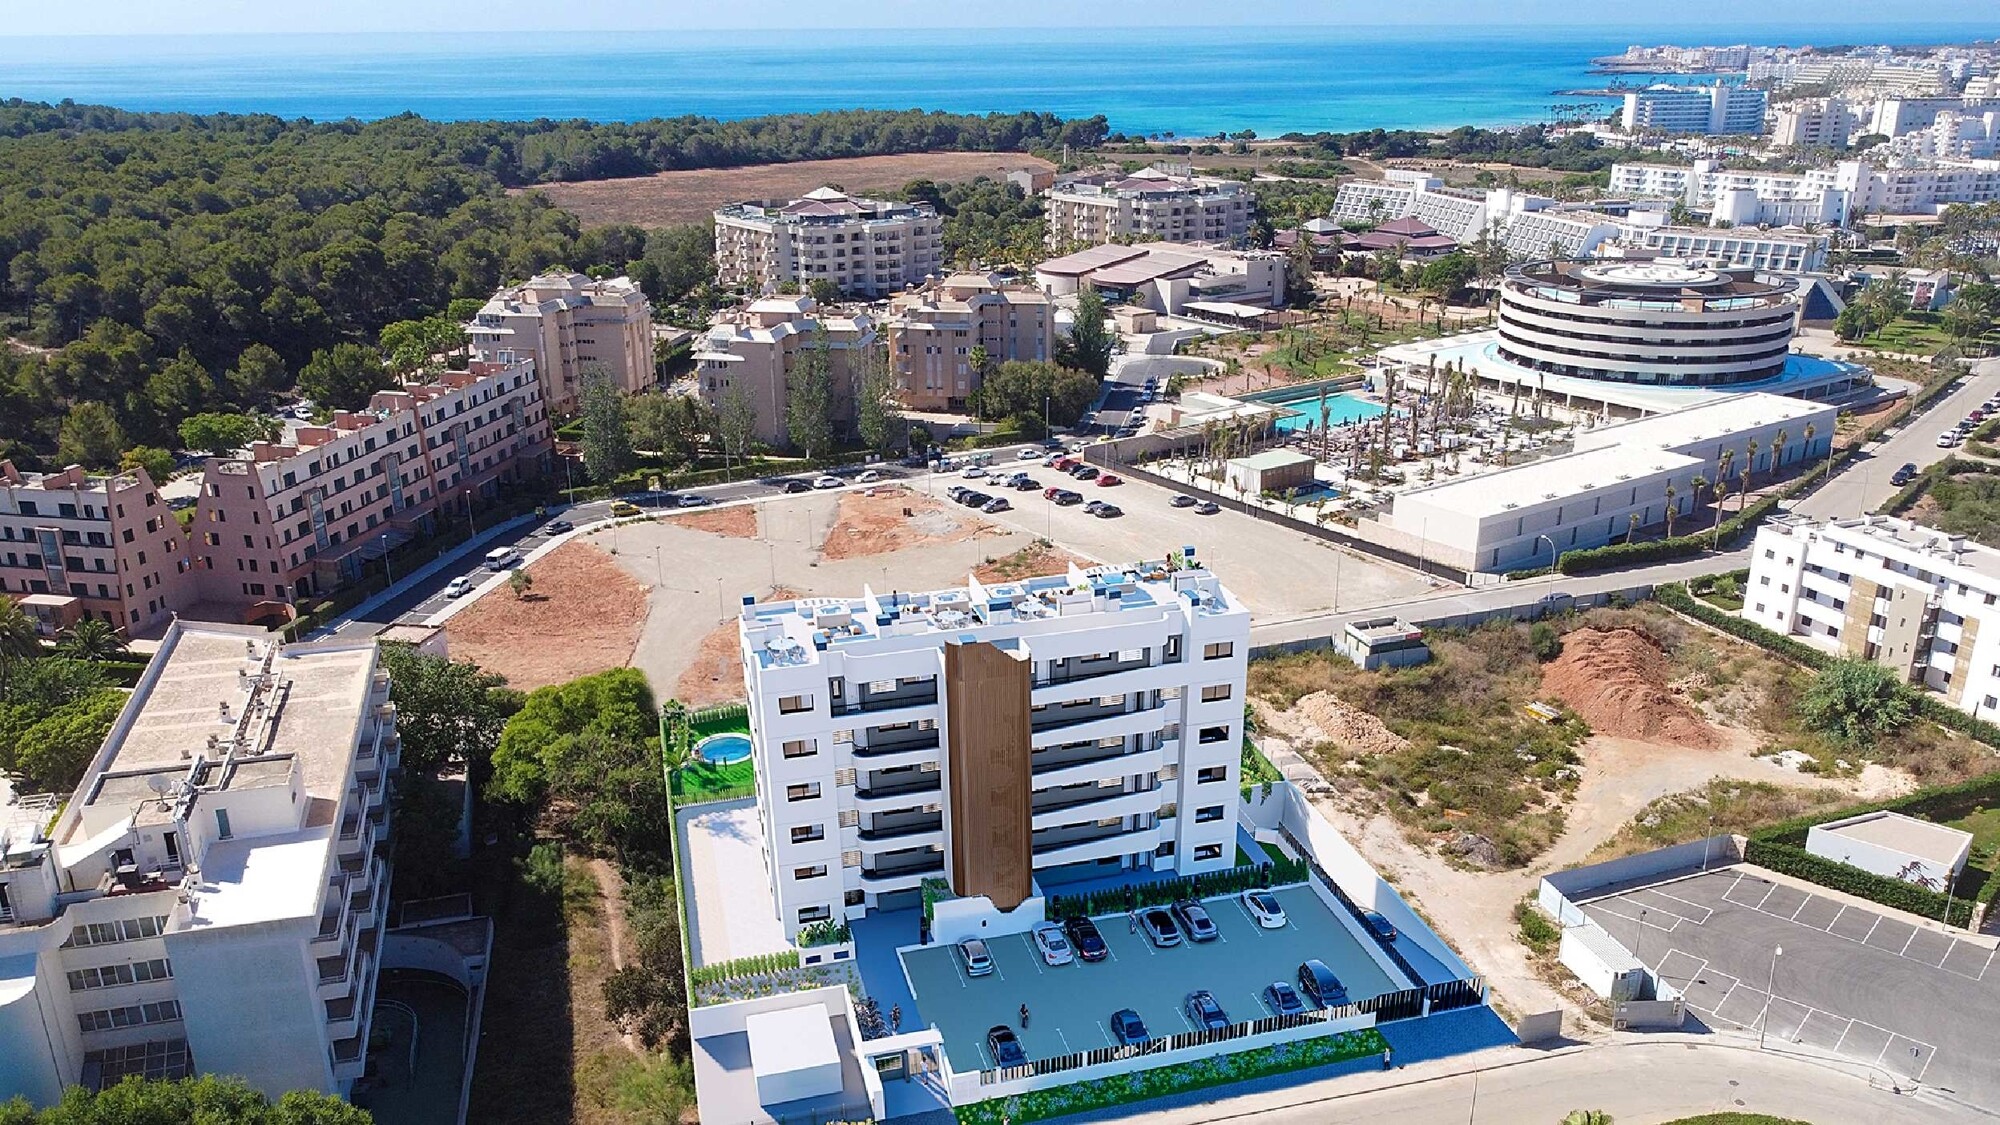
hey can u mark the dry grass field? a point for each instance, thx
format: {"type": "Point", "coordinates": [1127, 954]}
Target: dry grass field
{"type": "Point", "coordinates": [685, 197]}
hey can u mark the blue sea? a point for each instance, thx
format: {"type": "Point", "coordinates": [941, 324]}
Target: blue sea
{"type": "Point", "coordinates": [1182, 81]}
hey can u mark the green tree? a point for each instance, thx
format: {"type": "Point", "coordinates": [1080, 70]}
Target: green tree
{"type": "Point", "coordinates": [53, 753]}
{"type": "Point", "coordinates": [1090, 342]}
{"type": "Point", "coordinates": [91, 437]}
{"type": "Point", "coordinates": [668, 424]}
{"type": "Point", "coordinates": [1023, 389]}
{"type": "Point", "coordinates": [206, 1100]}
{"type": "Point", "coordinates": [259, 372]}
{"type": "Point", "coordinates": [616, 704]}
{"type": "Point", "coordinates": [158, 463]}
{"type": "Point", "coordinates": [735, 422]}
{"type": "Point", "coordinates": [809, 402]}
{"type": "Point", "coordinates": [414, 345]}
{"type": "Point", "coordinates": [876, 417]}
{"type": "Point", "coordinates": [90, 639]}
{"type": "Point", "coordinates": [18, 642]}
{"type": "Point", "coordinates": [221, 434]}
{"type": "Point", "coordinates": [449, 713]}
{"type": "Point", "coordinates": [1855, 701]}
{"type": "Point", "coordinates": [586, 754]}
{"type": "Point", "coordinates": [520, 582]}
{"type": "Point", "coordinates": [823, 291]}
{"type": "Point", "coordinates": [343, 377]}
{"type": "Point", "coordinates": [607, 431]}
{"type": "Point", "coordinates": [1299, 267]}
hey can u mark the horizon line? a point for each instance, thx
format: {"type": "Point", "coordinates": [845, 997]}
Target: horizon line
{"type": "Point", "coordinates": [1605, 28]}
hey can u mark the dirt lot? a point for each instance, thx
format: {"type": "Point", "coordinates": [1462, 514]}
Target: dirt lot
{"type": "Point", "coordinates": [685, 197]}
{"type": "Point", "coordinates": [1036, 559]}
{"type": "Point", "coordinates": [875, 523]}
{"type": "Point", "coordinates": [713, 677]}
{"type": "Point", "coordinates": [736, 523]}
{"type": "Point", "coordinates": [583, 615]}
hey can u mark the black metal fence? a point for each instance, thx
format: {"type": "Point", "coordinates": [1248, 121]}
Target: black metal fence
{"type": "Point", "coordinates": [1388, 947]}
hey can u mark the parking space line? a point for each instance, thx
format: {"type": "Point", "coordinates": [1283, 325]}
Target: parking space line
{"type": "Point", "coordinates": [1706, 912]}
{"type": "Point", "coordinates": [1836, 917]}
{"type": "Point", "coordinates": [1795, 913]}
{"type": "Point", "coordinates": [1871, 930]}
{"type": "Point", "coordinates": [1067, 1049]}
{"type": "Point", "coordinates": [1843, 1036]}
{"type": "Point", "coordinates": [1905, 952]}
{"type": "Point", "coordinates": [1649, 924]}
{"type": "Point", "coordinates": [1767, 897]}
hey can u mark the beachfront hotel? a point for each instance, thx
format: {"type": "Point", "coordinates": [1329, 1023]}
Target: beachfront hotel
{"type": "Point", "coordinates": [211, 897]}
{"type": "Point", "coordinates": [1000, 736]}
{"type": "Point", "coordinates": [1719, 109]}
{"type": "Point", "coordinates": [569, 325]}
{"type": "Point", "coordinates": [1166, 204]}
{"type": "Point", "coordinates": [866, 247]}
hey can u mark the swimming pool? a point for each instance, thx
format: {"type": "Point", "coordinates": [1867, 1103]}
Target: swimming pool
{"type": "Point", "coordinates": [1340, 410]}
{"type": "Point", "coordinates": [722, 749]}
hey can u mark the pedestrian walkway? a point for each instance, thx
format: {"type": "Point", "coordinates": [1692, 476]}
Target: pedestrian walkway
{"type": "Point", "coordinates": [1444, 1034]}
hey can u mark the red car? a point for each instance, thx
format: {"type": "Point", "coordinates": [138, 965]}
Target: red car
{"type": "Point", "coordinates": [1065, 464]}
{"type": "Point", "coordinates": [1108, 479]}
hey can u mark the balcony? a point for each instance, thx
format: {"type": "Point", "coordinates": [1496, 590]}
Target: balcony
{"type": "Point", "coordinates": [895, 789]}
{"type": "Point", "coordinates": [1110, 803]}
{"type": "Point", "coordinates": [1091, 845]}
{"type": "Point", "coordinates": [1073, 670]}
{"type": "Point", "coordinates": [901, 699]}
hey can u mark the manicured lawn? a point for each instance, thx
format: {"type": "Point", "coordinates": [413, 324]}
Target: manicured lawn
{"type": "Point", "coordinates": [1139, 1086]}
{"type": "Point", "coordinates": [1738, 1119]}
{"type": "Point", "coordinates": [1275, 853]}
{"type": "Point", "coordinates": [700, 781]}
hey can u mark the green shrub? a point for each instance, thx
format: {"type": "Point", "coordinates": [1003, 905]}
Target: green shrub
{"type": "Point", "coordinates": [1894, 893]}
{"type": "Point", "coordinates": [1855, 701]}
{"type": "Point", "coordinates": [1272, 873]}
{"type": "Point", "coordinates": [1538, 932]}
{"type": "Point", "coordinates": [1546, 640]}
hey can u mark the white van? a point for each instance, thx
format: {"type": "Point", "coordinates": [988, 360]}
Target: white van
{"type": "Point", "coordinates": [500, 558]}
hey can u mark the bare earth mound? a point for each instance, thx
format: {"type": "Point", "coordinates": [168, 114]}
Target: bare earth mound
{"type": "Point", "coordinates": [1617, 681]}
{"type": "Point", "coordinates": [1349, 726]}
{"type": "Point", "coordinates": [735, 523]}
{"type": "Point", "coordinates": [583, 615]}
{"type": "Point", "coordinates": [691, 196]}
{"type": "Point", "coordinates": [873, 523]}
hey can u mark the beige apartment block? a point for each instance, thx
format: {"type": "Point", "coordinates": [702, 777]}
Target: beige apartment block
{"type": "Point", "coordinates": [1153, 203]}
{"type": "Point", "coordinates": [566, 324]}
{"type": "Point", "coordinates": [931, 332]}
{"type": "Point", "coordinates": [76, 545]}
{"type": "Point", "coordinates": [290, 519]}
{"type": "Point", "coordinates": [756, 348]}
{"type": "Point", "coordinates": [867, 247]}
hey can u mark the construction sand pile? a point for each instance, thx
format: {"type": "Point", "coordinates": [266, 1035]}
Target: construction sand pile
{"type": "Point", "coordinates": [1617, 681]}
{"type": "Point", "coordinates": [1348, 726]}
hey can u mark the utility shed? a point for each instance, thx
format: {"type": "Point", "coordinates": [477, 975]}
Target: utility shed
{"type": "Point", "coordinates": [1894, 845]}
{"type": "Point", "coordinates": [792, 1054]}
{"type": "Point", "coordinates": [1274, 470]}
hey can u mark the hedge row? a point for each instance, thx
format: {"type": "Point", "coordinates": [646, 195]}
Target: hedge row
{"type": "Point", "coordinates": [1614, 555]}
{"type": "Point", "coordinates": [1894, 893]}
{"type": "Point", "coordinates": [1165, 891]}
{"type": "Point", "coordinates": [760, 964]}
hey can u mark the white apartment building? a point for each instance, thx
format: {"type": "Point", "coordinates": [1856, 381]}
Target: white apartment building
{"type": "Point", "coordinates": [1908, 597]}
{"type": "Point", "coordinates": [1528, 515]}
{"type": "Point", "coordinates": [211, 898]}
{"type": "Point", "coordinates": [1972, 134]}
{"type": "Point", "coordinates": [1718, 110]}
{"type": "Point", "coordinates": [1814, 123]}
{"type": "Point", "coordinates": [1893, 117]}
{"type": "Point", "coordinates": [1780, 251]}
{"type": "Point", "coordinates": [1153, 203]}
{"type": "Point", "coordinates": [995, 735]}
{"type": "Point", "coordinates": [75, 545]}
{"type": "Point", "coordinates": [568, 325]}
{"type": "Point", "coordinates": [1823, 195]}
{"type": "Point", "coordinates": [866, 247]}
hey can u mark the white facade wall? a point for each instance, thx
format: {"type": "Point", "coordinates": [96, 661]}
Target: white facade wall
{"type": "Point", "coordinates": [1884, 589]}
{"type": "Point", "coordinates": [1716, 109]}
{"type": "Point", "coordinates": [1827, 842]}
{"type": "Point", "coordinates": [850, 790]}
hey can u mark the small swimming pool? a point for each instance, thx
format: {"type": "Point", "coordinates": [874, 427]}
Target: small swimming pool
{"type": "Point", "coordinates": [1340, 410]}
{"type": "Point", "coordinates": [722, 749]}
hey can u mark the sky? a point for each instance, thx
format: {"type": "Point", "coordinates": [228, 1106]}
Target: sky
{"type": "Point", "coordinates": [1688, 20]}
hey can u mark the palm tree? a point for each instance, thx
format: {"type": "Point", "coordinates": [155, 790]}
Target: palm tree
{"type": "Point", "coordinates": [1777, 450]}
{"type": "Point", "coordinates": [18, 640]}
{"type": "Point", "coordinates": [1810, 431]}
{"type": "Point", "coordinates": [1633, 530]}
{"type": "Point", "coordinates": [1696, 484]}
{"type": "Point", "coordinates": [1721, 487]}
{"type": "Point", "coordinates": [1749, 466]}
{"type": "Point", "coordinates": [91, 639]}
{"type": "Point", "coordinates": [1672, 493]}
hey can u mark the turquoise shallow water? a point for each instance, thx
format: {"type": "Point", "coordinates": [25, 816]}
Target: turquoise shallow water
{"type": "Point", "coordinates": [1186, 81]}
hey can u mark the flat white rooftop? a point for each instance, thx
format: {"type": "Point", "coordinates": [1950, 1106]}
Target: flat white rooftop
{"type": "Point", "coordinates": [731, 913]}
{"type": "Point", "coordinates": [1717, 416]}
{"type": "Point", "coordinates": [1942, 552]}
{"type": "Point", "coordinates": [1938, 843]}
{"type": "Point", "coordinates": [1554, 478]}
{"type": "Point", "coordinates": [259, 879]}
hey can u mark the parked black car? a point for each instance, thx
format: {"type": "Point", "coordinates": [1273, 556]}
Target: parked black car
{"type": "Point", "coordinates": [1108, 511]}
{"type": "Point", "coordinates": [1088, 941]}
{"type": "Point", "coordinates": [1378, 925]}
{"type": "Point", "coordinates": [1128, 1027]}
{"type": "Point", "coordinates": [1204, 1012]}
{"type": "Point", "coordinates": [1318, 982]}
{"type": "Point", "coordinates": [1006, 1046]}
{"type": "Point", "coordinates": [796, 485]}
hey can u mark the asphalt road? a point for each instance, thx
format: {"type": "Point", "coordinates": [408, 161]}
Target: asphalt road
{"type": "Point", "coordinates": [1864, 484]}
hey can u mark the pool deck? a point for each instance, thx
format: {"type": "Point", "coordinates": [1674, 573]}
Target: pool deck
{"type": "Point", "coordinates": [730, 910]}
{"type": "Point", "coordinates": [1069, 1007]}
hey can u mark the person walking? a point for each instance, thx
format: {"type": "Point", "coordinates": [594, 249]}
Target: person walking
{"type": "Point", "coordinates": [1024, 1017]}
{"type": "Point", "coordinates": [896, 1018]}
{"type": "Point", "coordinates": [1132, 920]}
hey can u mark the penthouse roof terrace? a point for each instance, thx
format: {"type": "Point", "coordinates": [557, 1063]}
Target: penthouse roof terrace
{"type": "Point", "coordinates": [782, 634]}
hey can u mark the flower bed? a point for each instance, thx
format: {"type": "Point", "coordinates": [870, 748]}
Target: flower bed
{"type": "Point", "coordinates": [1142, 1085]}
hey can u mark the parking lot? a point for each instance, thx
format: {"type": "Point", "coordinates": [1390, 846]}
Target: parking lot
{"type": "Point", "coordinates": [1069, 1008]}
{"type": "Point", "coordinates": [1911, 1001]}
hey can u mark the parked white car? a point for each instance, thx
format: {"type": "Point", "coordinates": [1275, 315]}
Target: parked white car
{"type": "Point", "coordinates": [1947, 439]}
{"type": "Point", "coordinates": [867, 476]}
{"type": "Point", "coordinates": [1052, 944]}
{"type": "Point", "coordinates": [973, 472]}
{"type": "Point", "coordinates": [458, 587]}
{"type": "Point", "coordinates": [826, 482]}
{"type": "Point", "coordinates": [1265, 908]}
{"type": "Point", "coordinates": [978, 962]}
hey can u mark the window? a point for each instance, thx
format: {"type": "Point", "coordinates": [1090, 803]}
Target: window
{"type": "Point", "coordinates": [800, 748]}
{"type": "Point", "coordinates": [222, 824]}
{"type": "Point", "coordinates": [111, 976]}
{"type": "Point", "coordinates": [1218, 651]}
{"type": "Point", "coordinates": [1207, 851]}
{"type": "Point", "coordinates": [1214, 734]}
{"type": "Point", "coordinates": [107, 933]}
{"type": "Point", "coordinates": [793, 704]}
{"type": "Point", "coordinates": [805, 791]}
{"type": "Point", "coordinates": [811, 914]}
{"type": "Point", "coordinates": [1208, 814]}
{"type": "Point", "coordinates": [1209, 774]}
{"type": "Point", "coordinates": [1215, 693]}
{"type": "Point", "coordinates": [816, 871]}
{"type": "Point", "coordinates": [807, 833]}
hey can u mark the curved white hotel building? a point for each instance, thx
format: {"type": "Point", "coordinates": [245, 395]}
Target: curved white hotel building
{"type": "Point", "coordinates": [1654, 322]}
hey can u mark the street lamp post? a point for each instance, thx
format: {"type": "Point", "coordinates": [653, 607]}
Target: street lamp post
{"type": "Point", "coordinates": [386, 572]}
{"type": "Point", "coordinates": [1770, 982]}
{"type": "Point", "coordinates": [1553, 559]}
{"type": "Point", "coordinates": [468, 514]}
